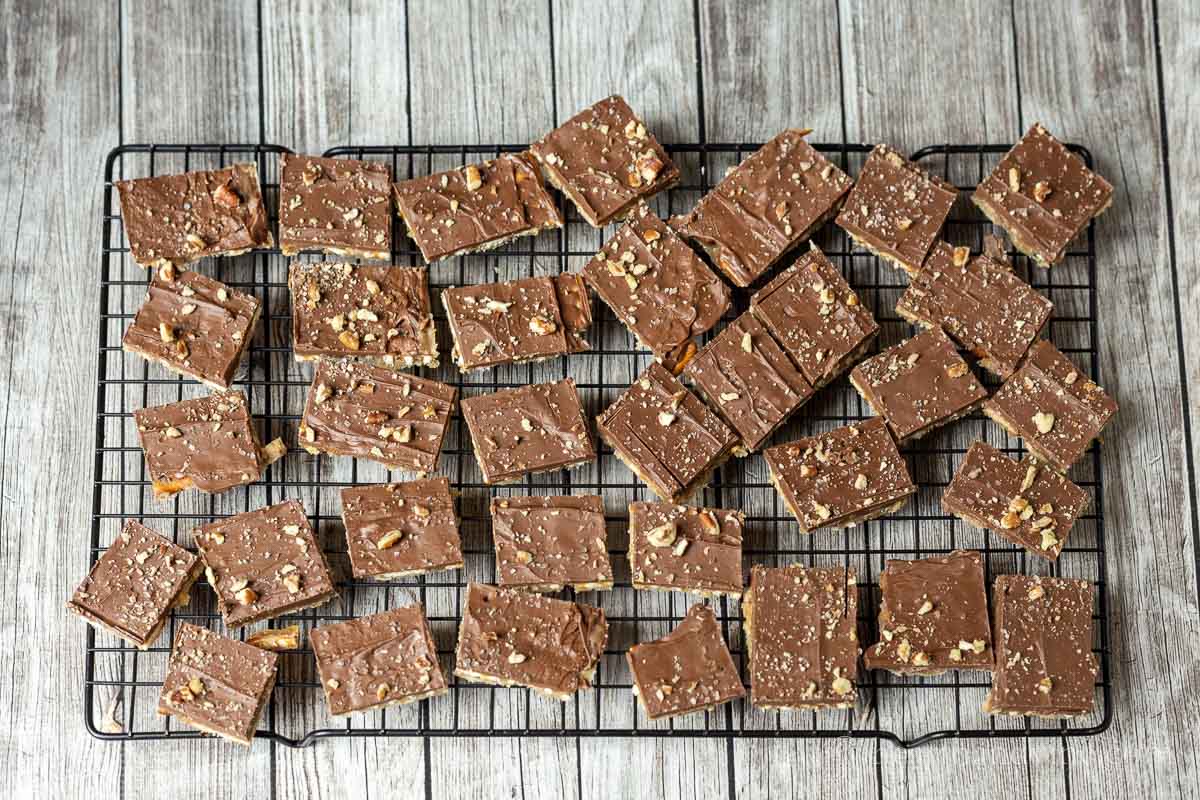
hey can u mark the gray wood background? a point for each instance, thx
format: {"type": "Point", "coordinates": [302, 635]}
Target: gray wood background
{"type": "Point", "coordinates": [79, 78]}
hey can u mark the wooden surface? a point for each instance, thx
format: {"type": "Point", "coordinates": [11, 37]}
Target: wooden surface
{"type": "Point", "coordinates": [1119, 77]}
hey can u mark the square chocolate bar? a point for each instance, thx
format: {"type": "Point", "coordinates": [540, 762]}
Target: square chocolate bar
{"type": "Point", "coordinates": [801, 637]}
{"type": "Point", "coordinates": [1044, 661]}
{"type": "Point", "coordinates": [135, 583]}
{"type": "Point", "coordinates": [918, 385]}
{"type": "Point", "coordinates": [605, 161]}
{"type": "Point", "coordinates": [686, 549]}
{"type": "Point", "coordinates": [1054, 408]}
{"type": "Point", "coordinates": [1028, 503]}
{"type": "Point", "coordinates": [264, 564]}
{"type": "Point", "coordinates": [177, 219]}
{"type": "Point", "coordinates": [816, 317]}
{"type": "Point", "coordinates": [513, 638]}
{"type": "Point", "coordinates": [217, 684]}
{"type": "Point", "coordinates": [686, 671]}
{"type": "Point", "coordinates": [666, 435]}
{"type": "Point", "coordinates": [193, 325]}
{"type": "Point", "coordinates": [395, 530]}
{"type": "Point", "coordinates": [933, 616]}
{"type": "Point", "coordinates": [381, 314]}
{"type": "Point", "coordinates": [335, 205]}
{"type": "Point", "coordinates": [896, 209]}
{"type": "Point", "coordinates": [528, 430]}
{"type": "Point", "coordinates": [359, 410]}
{"type": "Point", "coordinates": [842, 477]}
{"type": "Point", "coordinates": [546, 543]}
{"type": "Point", "coordinates": [765, 206]}
{"type": "Point", "coordinates": [1043, 195]}
{"type": "Point", "coordinates": [385, 659]}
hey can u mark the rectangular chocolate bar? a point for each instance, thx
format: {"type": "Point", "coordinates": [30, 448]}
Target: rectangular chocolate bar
{"type": "Point", "coordinates": [396, 530]}
{"type": "Point", "coordinates": [513, 638]}
{"type": "Point", "coordinates": [686, 549]}
{"type": "Point", "coordinates": [546, 543]}
{"type": "Point", "coordinates": [335, 205]}
{"type": "Point", "coordinates": [135, 583]}
{"type": "Point", "coordinates": [842, 477]}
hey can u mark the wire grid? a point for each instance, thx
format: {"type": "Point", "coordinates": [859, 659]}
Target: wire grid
{"type": "Point", "coordinates": [121, 683]}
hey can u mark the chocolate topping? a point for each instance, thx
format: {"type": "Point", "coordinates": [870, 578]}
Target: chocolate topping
{"type": "Point", "coordinates": [545, 543]}
{"type": "Point", "coordinates": [505, 323]}
{"type": "Point", "coordinates": [686, 549]}
{"type": "Point", "coordinates": [337, 205]}
{"type": "Point", "coordinates": [399, 529]}
{"type": "Point", "coordinates": [575, 304]}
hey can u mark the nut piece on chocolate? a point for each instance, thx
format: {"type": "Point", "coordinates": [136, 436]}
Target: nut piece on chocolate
{"type": "Point", "coordinates": [193, 325]}
{"type": "Point", "coordinates": [575, 304]}
{"type": "Point", "coordinates": [546, 543]}
{"type": "Point", "coordinates": [801, 636]}
{"type": "Point", "coordinates": [513, 638]}
{"type": "Point", "coordinates": [980, 302]}
{"type": "Point", "coordinates": [217, 684]}
{"type": "Point", "coordinates": [686, 549]}
{"type": "Point", "coordinates": [842, 477]}
{"type": "Point", "coordinates": [896, 209]}
{"type": "Point", "coordinates": [816, 317]}
{"type": "Point", "coordinates": [1052, 406]}
{"type": "Point", "coordinates": [359, 410]}
{"type": "Point", "coordinates": [381, 660]}
{"type": "Point", "coordinates": [1028, 503]}
{"type": "Point", "coordinates": [686, 671]}
{"type": "Point", "coordinates": [918, 385]}
{"type": "Point", "coordinates": [336, 205]}
{"type": "Point", "coordinates": [177, 219]}
{"type": "Point", "coordinates": [1043, 195]}
{"type": "Point", "coordinates": [264, 564]}
{"type": "Point", "coordinates": [208, 443]}
{"type": "Point", "coordinates": [1044, 661]}
{"type": "Point", "coordinates": [666, 435]}
{"type": "Point", "coordinates": [396, 530]}
{"type": "Point", "coordinates": [658, 287]}
{"type": "Point", "coordinates": [476, 207]}
{"type": "Point", "coordinates": [135, 583]}
{"type": "Point", "coordinates": [527, 430]}
{"type": "Point", "coordinates": [933, 616]}
{"type": "Point", "coordinates": [381, 314]}
{"type": "Point", "coordinates": [749, 380]}
{"type": "Point", "coordinates": [605, 161]}
{"type": "Point", "coordinates": [766, 206]}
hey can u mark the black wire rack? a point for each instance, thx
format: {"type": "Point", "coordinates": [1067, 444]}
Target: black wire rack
{"type": "Point", "coordinates": [121, 684]}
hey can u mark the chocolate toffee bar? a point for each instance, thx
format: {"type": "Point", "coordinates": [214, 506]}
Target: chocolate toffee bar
{"type": "Point", "coordinates": [378, 313]}
{"type": "Point", "coordinates": [1043, 195]}
{"type": "Point", "coordinates": [801, 637]}
{"type": "Point", "coordinates": [193, 325]}
{"type": "Point", "coordinates": [399, 529]}
{"type": "Point", "coordinates": [842, 477]}
{"type": "Point", "coordinates": [575, 305]}
{"type": "Point", "coordinates": [1044, 661]}
{"type": "Point", "coordinates": [765, 207]}
{"type": "Point", "coordinates": [530, 429]}
{"type": "Point", "coordinates": [358, 410]}
{"type": "Point", "coordinates": [605, 161]}
{"type": "Point", "coordinates": [933, 616]}
{"type": "Point", "coordinates": [177, 219]}
{"type": "Point", "coordinates": [513, 638]}
{"type": "Point", "coordinates": [658, 287]}
{"type": "Point", "coordinates": [135, 583]}
{"type": "Point", "coordinates": [686, 549]}
{"type": "Point", "coordinates": [477, 207]}
{"type": "Point", "coordinates": [749, 380]}
{"type": "Point", "coordinates": [896, 209]}
{"type": "Point", "coordinates": [381, 660]}
{"type": "Point", "coordinates": [1028, 503]}
{"type": "Point", "coordinates": [918, 385]}
{"type": "Point", "coordinates": [980, 302]}
{"type": "Point", "coordinates": [816, 317]}
{"type": "Point", "coordinates": [666, 435]}
{"type": "Point", "coordinates": [546, 543]}
{"type": "Point", "coordinates": [1052, 406]}
{"type": "Point", "coordinates": [217, 684]}
{"type": "Point", "coordinates": [686, 671]}
{"type": "Point", "coordinates": [336, 205]}
{"type": "Point", "coordinates": [207, 443]}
